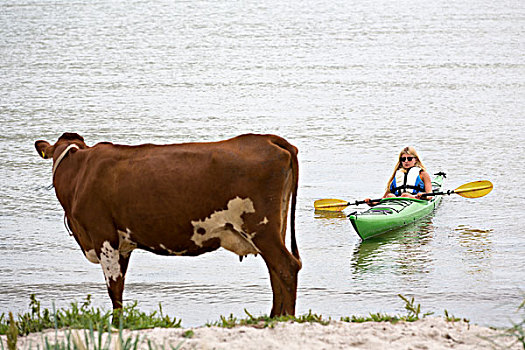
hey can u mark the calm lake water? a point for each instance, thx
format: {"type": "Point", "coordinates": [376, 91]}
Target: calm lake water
{"type": "Point", "coordinates": [348, 82]}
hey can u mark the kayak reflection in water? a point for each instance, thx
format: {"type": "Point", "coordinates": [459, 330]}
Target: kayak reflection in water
{"type": "Point", "coordinates": [410, 178]}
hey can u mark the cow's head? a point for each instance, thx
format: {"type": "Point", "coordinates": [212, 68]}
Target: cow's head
{"type": "Point", "coordinates": [46, 150]}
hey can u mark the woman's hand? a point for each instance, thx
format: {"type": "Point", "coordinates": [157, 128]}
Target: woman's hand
{"type": "Point", "coordinates": [421, 195]}
{"type": "Point", "coordinates": [369, 202]}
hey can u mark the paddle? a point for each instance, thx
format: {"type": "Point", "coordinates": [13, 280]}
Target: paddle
{"type": "Point", "coordinates": [473, 189]}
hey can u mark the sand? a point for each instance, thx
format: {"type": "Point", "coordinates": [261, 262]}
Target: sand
{"type": "Point", "coordinates": [429, 333]}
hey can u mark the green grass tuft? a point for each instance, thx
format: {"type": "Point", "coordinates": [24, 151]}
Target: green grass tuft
{"type": "Point", "coordinates": [413, 314]}
{"type": "Point", "coordinates": [266, 321]}
{"type": "Point", "coordinates": [516, 330]}
{"type": "Point", "coordinates": [12, 333]}
{"type": "Point", "coordinates": [85, 316]}
{"type": "Point", "coordinates": [188, 334]}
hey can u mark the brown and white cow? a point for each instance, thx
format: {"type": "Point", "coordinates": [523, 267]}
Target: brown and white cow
{"type": "Point", "coordinates": [180, 199]}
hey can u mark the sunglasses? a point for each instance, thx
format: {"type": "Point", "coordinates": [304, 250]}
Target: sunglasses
{"type": "Point", "coordinates": [407, 159]}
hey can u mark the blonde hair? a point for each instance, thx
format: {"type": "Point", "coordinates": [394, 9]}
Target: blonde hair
{"type": "Point", "coordinates": [407, 150]}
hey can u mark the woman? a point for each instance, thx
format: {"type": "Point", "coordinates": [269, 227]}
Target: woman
{"type": "Point", "coordinates": [410, 178]}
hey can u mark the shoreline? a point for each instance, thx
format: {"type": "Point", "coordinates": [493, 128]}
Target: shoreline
{"type": "Point", "coordinates": [426, 333]}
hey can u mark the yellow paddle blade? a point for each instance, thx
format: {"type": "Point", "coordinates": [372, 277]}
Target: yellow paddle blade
{"type": "Point", "coordinates": [474, 189]}
{"type": "Point", "coordinates": [330, 204]}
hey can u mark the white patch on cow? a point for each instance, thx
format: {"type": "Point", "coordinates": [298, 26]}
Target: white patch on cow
{"type": "Point", "coordinates": [91, 255]}
{"type": "Point", "coordinates": [109, 259]}
{"type": "Point", "coordinates": [264, 221]}
{"type": "Point", "coordinates": [171, 252]}
{"type": "Point", "coordinates": [125, 245]}
{"type": "Point", "coordinates": [227, 225]}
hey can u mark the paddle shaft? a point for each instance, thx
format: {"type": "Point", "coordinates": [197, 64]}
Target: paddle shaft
{"type": "Point", "coordinates": [449, 192]}
{"type": "Point", "coordinates": [424, 195]}
{"type": "Point", "coordinates": [446, 193]}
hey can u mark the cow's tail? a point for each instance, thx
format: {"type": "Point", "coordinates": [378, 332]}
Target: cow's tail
{"type": "Point", "coordinates": [295, 169]}
{"type": "Point", "coordinates": [295, 173]}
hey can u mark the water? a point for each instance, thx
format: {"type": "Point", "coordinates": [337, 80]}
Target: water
{"type": "Point", "coordinates": [349, 83]}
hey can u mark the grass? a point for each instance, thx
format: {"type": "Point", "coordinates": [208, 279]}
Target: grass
{"type": "Point", "coordinates": [97, 326]}
{"type": "Point", "coordinates": [516, 331]}
{"type": "Point", "coordinates": [84, 316]}
{"type": "Point", "coordinates": [413, 314]}
{"type": "Point", "coordinates": [90, 339]}
{"type": "Point", "coordinates": [266, 321]}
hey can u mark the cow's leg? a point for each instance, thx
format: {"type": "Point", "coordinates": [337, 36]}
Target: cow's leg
{"type": "Point", "coordinates": [283, 268]}
{"type": "Point", "coordinates": [114, 265]}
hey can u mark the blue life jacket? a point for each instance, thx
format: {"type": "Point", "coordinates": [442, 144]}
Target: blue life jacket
{"type": "Point", "coordinates": [410, 180]}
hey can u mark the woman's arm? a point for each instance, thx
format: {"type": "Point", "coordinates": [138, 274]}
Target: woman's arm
{"type": "Point", "coordinates": [370, 203]}
{"type": "Point", "coordinates": [428, 185]}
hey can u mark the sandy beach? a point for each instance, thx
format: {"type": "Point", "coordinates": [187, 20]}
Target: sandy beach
{"type": "Point", "coordinates": [429, 333]}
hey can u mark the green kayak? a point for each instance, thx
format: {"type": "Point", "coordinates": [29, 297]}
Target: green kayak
{"type": "Point", "coordinates": [395, 212]}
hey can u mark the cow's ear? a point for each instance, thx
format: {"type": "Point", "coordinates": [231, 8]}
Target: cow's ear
{"type": "Point", "coordinates": [44, 149]}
